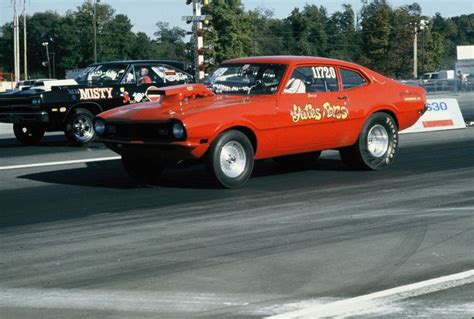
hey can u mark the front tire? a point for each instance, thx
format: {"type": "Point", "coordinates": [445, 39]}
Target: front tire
{"type": "Point", "coordinates": [376, 146]}
{"type": "Point", "coordinates": [80, 127]}
{"type": "Point", "coordinates": [231, 159]}
{"type": "Point", "coordinates": [144, 171]}
{"type": "Point", "coordinates": [28, 134]}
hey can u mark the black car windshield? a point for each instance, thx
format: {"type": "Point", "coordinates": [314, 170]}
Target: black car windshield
{"type": "Point", "coordinates": [102, 74]}
{"type": "Point", "coordinates": [245, 78]}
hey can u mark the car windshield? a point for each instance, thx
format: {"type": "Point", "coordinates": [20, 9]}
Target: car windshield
{"type": "Point", "coordinates": [253, 79]}
{"type": "Point", "coordinates": [101, 74]}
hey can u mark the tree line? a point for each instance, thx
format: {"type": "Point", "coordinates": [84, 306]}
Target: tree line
{"type": "Point", "coordinates": [378, 35]}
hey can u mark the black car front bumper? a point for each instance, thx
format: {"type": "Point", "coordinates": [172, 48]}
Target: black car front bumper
{"type": "Point", "coordinates": [24, 117]}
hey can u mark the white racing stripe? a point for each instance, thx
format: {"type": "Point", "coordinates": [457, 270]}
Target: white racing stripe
{"type": "Point", "coordinates": [87, 160]}
{"type": "Point", "coordinates": [377, 300]}
{"type": "Point", "coordinates": [173, 302]}
{"type": "Point", "coordinates": [117, 300]}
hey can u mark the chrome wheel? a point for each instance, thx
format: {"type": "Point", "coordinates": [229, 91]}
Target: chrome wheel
{"type": "Point", "coordinates": [233, 159]}
{"type": "Point", "coordinates": [377, 140]}
{"type": "Point", "coordinates": [82, 128]}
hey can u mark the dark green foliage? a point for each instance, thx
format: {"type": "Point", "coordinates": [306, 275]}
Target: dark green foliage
{"type": "Point", "coordinates": [379, 36]}
{"type": "Point", "coordinates": [70, 39]}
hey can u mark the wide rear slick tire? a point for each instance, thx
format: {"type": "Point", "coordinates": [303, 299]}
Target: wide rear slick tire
{"type": "Point", "coordinates": [143, 171]}
{"type": "Point", "coordinates": [80, 127]}
{"type": "Point", "coordinates": [28, 134]}
{"type": "Point", "coordinates": [231, 159]}
{"type": "Point", "coordinates": [376, 146]}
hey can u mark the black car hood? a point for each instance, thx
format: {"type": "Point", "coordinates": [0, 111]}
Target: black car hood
{"type": "Point", "coordinates": [24, 93]}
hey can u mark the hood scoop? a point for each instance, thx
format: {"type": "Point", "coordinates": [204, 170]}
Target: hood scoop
{"type": "Point", "coordinates": [179, 93]}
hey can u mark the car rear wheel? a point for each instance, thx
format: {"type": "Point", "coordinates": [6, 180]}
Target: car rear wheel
{"type": "Point", "coordinates": [376, 146]}
{"type": "Point", "coordinates": [28, 134]}
{"type": "Point", "coordinates": [145, 171]}
{"type": "Point", "coordinates": [298, 160]}
{"type": "Point", "coordinates": [80, 127]}
{"type": "Point", "coordinates": [231, 159]}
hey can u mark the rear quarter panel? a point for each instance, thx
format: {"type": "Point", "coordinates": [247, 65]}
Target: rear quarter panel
{"type": "Point", "coordinates": [404, 102]}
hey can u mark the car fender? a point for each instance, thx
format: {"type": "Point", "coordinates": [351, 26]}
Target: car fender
{"type": "Point", "coordinates": [95, 108]}
{"type": "Point", "coordinates": [264, 142]}
{"type": "Point", "coordinates": [390, 109]}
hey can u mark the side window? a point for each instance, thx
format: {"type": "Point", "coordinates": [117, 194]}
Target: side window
{"type": "Point", "coordinates": [167, 75]}
{"type": "Point", "coordinates": [144, 74]}
{"type": "Point", "coordinates": [129, 77]}
{"type": "Point", "coordinates": [312, 79]}
{"type": "Point", "coordinates": [351, 79]}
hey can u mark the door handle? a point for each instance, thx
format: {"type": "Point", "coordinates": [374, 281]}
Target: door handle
{"type": "Point", "coordinates": [342, 97]}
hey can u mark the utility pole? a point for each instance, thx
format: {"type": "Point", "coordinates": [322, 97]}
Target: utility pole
{"type": "Point", "coordinates": [415, 53]}
{"type": "Point", "coordinates": [25, 53]}
{"type": "Point", "coordinates": [16, 42]}
{"type": "Point", "coordinates": [418, 27]}
{"type": "Point", "coordinates": [94, 22]}
{"type": "Point", "coordinates": [46, 45]}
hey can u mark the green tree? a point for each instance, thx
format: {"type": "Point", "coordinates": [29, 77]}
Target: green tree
{"type": "Point", "coordinates": [170, 42]}
{"type": "Point", "coordinates": [232, 30]}
{"type": "Point", "coordinates": [343, 39]}
{"type": "Point", "coordinates": [375, 35]}
{"type": "Point", "coordinates": [267, 34]}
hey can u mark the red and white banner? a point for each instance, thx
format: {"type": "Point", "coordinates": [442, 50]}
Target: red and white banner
{"type": "Point", "coordinates": [441, 114]}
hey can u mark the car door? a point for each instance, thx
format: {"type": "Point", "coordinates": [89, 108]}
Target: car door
{"type": "Point", "coordinates": [137, 81]}
{"type": "Point", "coordinates": [307, 108]}
{"type": "Point", "coordinates": [358, 99]}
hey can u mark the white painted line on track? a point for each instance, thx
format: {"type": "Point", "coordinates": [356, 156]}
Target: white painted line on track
{"type": "Point", "coordinates": [117, 300]}
{"type": "Point", "coordinates": [87, 160]}
{"type": "Point", "coordinates": [377, 300]}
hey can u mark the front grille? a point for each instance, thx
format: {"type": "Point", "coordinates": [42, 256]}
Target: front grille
{"type": "Point", "coordinates": [17, 102]}
{"type": "Point", "coordinates": [142, 131]}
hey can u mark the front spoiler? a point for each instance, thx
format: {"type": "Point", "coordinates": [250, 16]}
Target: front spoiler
{"type": "Point", "coordinates": [157, 150]}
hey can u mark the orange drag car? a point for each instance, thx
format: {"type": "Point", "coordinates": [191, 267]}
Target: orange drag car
{"type": "Point", "coordinates": [286, 107]}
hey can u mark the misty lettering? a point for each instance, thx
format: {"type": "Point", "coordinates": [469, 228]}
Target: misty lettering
{"type": "Point", "coordinates": [96, 93]}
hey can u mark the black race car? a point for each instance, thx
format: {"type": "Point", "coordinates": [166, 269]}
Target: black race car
{"type": "Point", "coordinates": [99, 87]}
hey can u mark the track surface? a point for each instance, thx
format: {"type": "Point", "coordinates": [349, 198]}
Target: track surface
{"type": "Point", "coordinates": [84, 241]}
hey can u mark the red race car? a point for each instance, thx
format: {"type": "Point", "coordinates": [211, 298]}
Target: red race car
{"type": "Point", "coordinates": [286, 107]}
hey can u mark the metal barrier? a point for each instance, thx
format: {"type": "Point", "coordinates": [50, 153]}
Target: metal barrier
{"type": "Point", "coordinates": [435, 86]}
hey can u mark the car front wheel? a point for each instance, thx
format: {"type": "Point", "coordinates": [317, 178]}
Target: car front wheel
{"type": "Point", "coordinates": [231, 159]}
{"type": "Point", "coordinates": [376, 146]}
{"type": "Point", "coordinates": [28, 134]}
{"type": "Point", "coordinates": [80, 127]}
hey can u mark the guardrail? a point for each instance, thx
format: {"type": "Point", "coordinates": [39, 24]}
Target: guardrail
{"type": "Point", "coordinates": [435, 86]}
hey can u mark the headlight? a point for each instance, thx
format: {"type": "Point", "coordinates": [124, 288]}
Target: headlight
{"type": "Point", "coordinates": [36, 101]}
{"type": "Point", "coordinates": [178, 130]}
{"type": "Point", "coordinates": [99, 127]}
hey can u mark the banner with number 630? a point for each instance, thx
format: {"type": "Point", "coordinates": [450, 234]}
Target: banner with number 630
{"type": "Point", "coordinates": [441, 114]}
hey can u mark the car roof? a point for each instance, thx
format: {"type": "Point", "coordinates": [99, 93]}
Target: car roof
{"type": "Point", "coordinates": [291, 60]}
{"type": "Point", "coordinates": [136, 62]}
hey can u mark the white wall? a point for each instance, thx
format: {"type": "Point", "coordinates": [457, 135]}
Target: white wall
{"type": "Point", "coordinates": [5, 85]}
{"type": "Point", "coordinates": [465, 52]}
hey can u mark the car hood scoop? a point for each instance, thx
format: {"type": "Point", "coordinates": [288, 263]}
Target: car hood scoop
{"type": "Point", "coordinates": [179, 93]}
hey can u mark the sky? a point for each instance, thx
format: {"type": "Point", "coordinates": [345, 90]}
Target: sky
{"type": "Point", "coordinates": [144, 14]}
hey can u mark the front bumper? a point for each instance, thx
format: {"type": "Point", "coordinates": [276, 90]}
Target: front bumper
{"type": "Point", "coordinates": [176, 151]}
{"type": "Point", "coordinates": [24, 117]}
